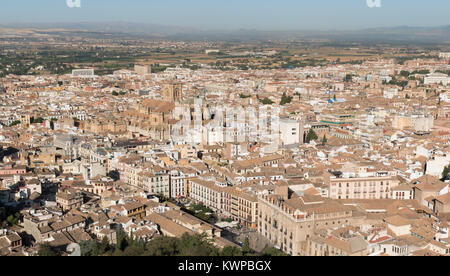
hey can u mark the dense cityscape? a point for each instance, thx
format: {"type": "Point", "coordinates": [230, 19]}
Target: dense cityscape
{"type": "Point", "coordinates": [114, 144]}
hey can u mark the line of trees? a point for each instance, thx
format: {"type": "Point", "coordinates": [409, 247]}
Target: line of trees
{"type": "Point", "coordinates": [186, 245]}
{"type": "Point", "coordinates": [15, 123]}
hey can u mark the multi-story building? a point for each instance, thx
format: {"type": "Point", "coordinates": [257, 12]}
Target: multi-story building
{"type": "Point", "coordinates": [207, 193]}
{"type": "Point", "coordinates": [42, 225]}
{"type": "Point", "coordinates": [179, 181]}
{"type": "Point", "coordinates": [142, 69]}
{"type": "Point", "coordinates": [156, 184]}
{"type": "Point", "coordinates": [427, 188]}
{"type": "Point", "coordinates": [445, 55]}
{"type": "Point", "coordinates": [134, 210]}
{"type": "Point", "coordinates": [289, 221]}
{"type": "Point", "coordinates": [69, 199]}
{"type": "Point", "coordinates": [244, 206]}
{"type": "Point", "coordinates": [291, 132]}
{"type": "Point", "coordinates": [331, 244]}
{"type": "Point", "coordinates": [437, 78]}
{"type": "Point", "coordinates": [418, 122]}
{"type": "Point", "coordinates": [361, 183]}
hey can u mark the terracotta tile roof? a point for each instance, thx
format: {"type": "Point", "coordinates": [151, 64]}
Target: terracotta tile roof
{"type": "Point", "coordinates": [397, 221]}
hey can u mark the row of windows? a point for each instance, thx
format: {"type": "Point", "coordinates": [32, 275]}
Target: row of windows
{"type": "Point", "coordinates": [357, 184]}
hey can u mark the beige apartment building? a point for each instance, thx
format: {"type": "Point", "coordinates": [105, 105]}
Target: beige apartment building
{"type": "Point", "coordinates": [442, 204]}
{"type": "Point", "coordinates": [418, 122]}
{"type": "Point", "coordinates": [103, 126]}
{"type": "Point", "coordinates": [375, 185]}
{"type": "Point", "coordinates": [243, 207]}
{"type": "Point", "coordinates": [69, 199]}
{"type": "Point", "coordinates": [289, 222]}
{"type": "Point", "coordinates": [427, 188]}
{"type": "Point", "coordinates": [324, 244]}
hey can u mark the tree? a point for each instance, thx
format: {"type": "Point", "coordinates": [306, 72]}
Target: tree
{"type": "Point", "coordinates": [121, 240]}
{"type": "Point", "coordinates": [115, 175]}
{"type": "Point", "coordinates": [2, 212]}
{"type": "Point", "coordinates": [246, 246]}
{"type": "Point", "coordinates": [324, 140]}
{"type": "Point", "coordinates": [89, 248]}
{"type": "Point", "coordinates": [267, 101]}
{"type": "Point", "coordinates": [104, 246]}
{"type": "Point", "coordinates": [285, 99]}
{"type": "Point", "coordinates": [162, 246]}
{"type": "Point", "coordinates": [231, 251]}
{"type": "Point", "coordinates": [133, 251]}
{"type": "Point", "coordinates": [272, 251]}
{"type": "Point", "coordinates": [404, 73]}
{"type": "Point", "coordinates": [195, 245]}
{"type": "Point", "coordinates": [348, 78]}
{"type": "Point", "coordinates": [95, 249]}
{"type": "Point", "coordinates": [46, 250]}
{"type": "Point", "coordinates": [38, 120]}
{"type": "Point", "coordinates": [15, 123]}
{"type": "Point", "coordinates": [13, 219]}
{"type": "Point", "coordinates": [311, 136]}
{"type": "Point", "coordinates": [445, 173]}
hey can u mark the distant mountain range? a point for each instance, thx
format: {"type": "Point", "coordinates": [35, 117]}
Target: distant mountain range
{"type": "Point", "coordinates": [440, 34]}
{"type": "Point", "coordinates": [107, 27]}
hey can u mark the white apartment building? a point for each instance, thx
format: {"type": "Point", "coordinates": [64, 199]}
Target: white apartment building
{"type": "Point", "coordinates": [208, 194]}
{"type": "Point", "coordinates": [290, 132]}
{"type": "Point", "coordinates": [437, 78]}
{"type": "Point", "coordinates": [445, 97]}
{"type": "Point", "coordinates": [445, 55]}
{"type": "Point", "coordinates": [436, 165]}
{"type": "Point", "coordinates": [390, 93]}
{"type": "Point", "coordinates": [179, 180]}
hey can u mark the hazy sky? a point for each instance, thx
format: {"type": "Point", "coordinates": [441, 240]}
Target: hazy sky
{"type": "Point", "coordinates": [234, 14]}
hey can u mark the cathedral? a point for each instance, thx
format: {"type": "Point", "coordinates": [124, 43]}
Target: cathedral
{"type": "Point", "coordinates": [172, 92]}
